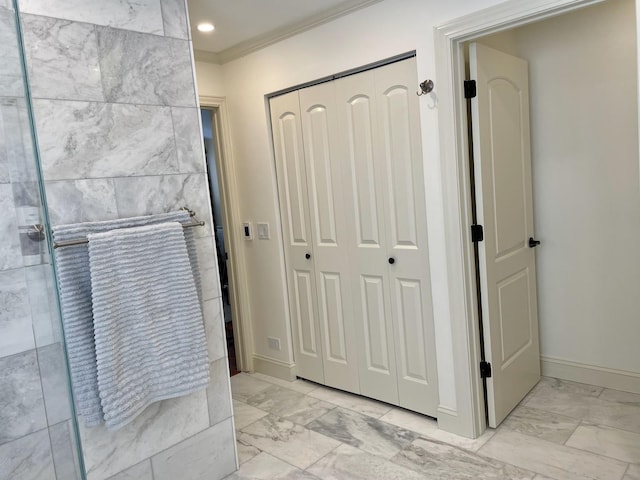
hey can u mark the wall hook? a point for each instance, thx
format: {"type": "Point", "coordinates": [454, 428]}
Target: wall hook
{"type": "Point", "coordinates": [425, 87]}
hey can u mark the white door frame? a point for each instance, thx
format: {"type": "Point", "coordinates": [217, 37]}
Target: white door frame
{"type": "Point", "coordinates": [454, 157]}
{"type": "Point", "coordinates": [240, 309]}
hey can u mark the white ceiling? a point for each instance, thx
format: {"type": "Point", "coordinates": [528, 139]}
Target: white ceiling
{"type": "Point", "coordinates": [246, 25]}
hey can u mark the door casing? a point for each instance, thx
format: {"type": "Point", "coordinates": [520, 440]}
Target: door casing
{"type": "Point", "coordinates": [450, 37]}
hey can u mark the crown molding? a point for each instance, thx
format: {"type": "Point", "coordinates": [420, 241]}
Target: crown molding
{"type": "Point", "coordinates": [262, 41]}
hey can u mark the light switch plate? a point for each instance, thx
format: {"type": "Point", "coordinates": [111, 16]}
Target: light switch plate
{"type": "Point", "coordinates": [263, 231]}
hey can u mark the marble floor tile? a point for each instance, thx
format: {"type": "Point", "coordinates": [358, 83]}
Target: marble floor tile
{"type": "Point", "coordinates": [621, 397]}
{"type": "Point", "coordinates": [428, 427]}
{"type": "Point", "coordinates": [244, 415]}
{"type": "Point", "coordinates": [349, 463]}
{"type": "Point", "coordinates": [266, 467]}
{"type": "Point", "coordinates": [292, 443]}
{"type": "Point", "coordinates": [357, 403]}
{"type": "Point", "coordinates": [538, 423]}
{"type": "Point", "coordinates": [21, 401]}
{"type": "Point", "coordinates": [435, 459]}
{"type": "Point", "coordinates": [244, 386]}
{"type": "Point", "coordinates": [610, 442]}
{"type": "Point", "coordinates": [366, 433]}
{"type": "Point", "coordinates": [299, 385]}
{"type": "Point", "coordinates": [141, 471]}
{"type": "Point", "coordinates": [556, 461]}
{"type": "Point", "coordinates": [245, 452]}
{"type": "Point", "coordinates": [290, 405]}
{"type": "Point", "coordinates": [28, 458]}
{"type": "Point", "coordinates": [548, 385]}
{"type": "Point", "coordinates": [633, 473]}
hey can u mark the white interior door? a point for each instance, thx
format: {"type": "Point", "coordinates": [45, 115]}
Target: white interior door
{"type": "Point", "coordinates": [297, 236]}
{"type": "Point", "coordinates": [501, 149]}
{"type": "Point", "coordinates": [329, 233]}
{"type": "Point", "coordinates": [400, 163]}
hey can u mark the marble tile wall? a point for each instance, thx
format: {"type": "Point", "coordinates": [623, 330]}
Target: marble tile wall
{"type": "Point", "coordinates": [119, 135]}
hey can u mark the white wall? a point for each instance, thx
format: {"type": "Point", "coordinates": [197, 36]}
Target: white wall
{"type": "Point", "coordinates": [209, 79]}
{"type": "Point", "coordinates": [584, 129]}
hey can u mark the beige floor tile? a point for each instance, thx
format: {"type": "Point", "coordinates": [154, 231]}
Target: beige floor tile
{"type": "Point", "coordinates": [610, 442]}
{"type": "Point", "coordinates": [633, 473]}
{"type": "Point", "coordinates": [556, 461]}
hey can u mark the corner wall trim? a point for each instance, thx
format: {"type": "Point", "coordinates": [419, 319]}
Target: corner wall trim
{"type": "Point", "coordinates": [590, 374]}
{"type": "Point", "coordinates": [274, 368]}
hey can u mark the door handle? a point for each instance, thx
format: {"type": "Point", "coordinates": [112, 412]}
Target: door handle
{"type": "Point", "coordinates": [533, 242]}
{"type": "Point", "coordinates": [392, 260]}
{"type": "Point", "coordinates": [307, 256]}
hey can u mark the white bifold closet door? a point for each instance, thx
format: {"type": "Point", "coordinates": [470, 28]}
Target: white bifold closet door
{"type": "Point", "coordinates": [361, 176]}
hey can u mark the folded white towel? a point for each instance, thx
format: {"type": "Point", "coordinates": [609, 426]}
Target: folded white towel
{"type": "Point", "coordinates": [149, 333]}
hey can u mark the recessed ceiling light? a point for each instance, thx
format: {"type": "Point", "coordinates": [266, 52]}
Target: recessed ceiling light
{"type": "Point", "coordinates": [206, 27]}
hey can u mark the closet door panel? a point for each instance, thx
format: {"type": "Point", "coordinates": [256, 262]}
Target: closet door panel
{"type": "Point", "coordinates": [363, 207]}
{"type": "Point", "coordinates": [401, 164]}
{"type": "Point", "coordinates": [296, 228]}
{"type": "Point", "coordinates": [329, 236]}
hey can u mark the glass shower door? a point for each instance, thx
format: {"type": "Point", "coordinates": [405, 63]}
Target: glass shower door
{"type": "Point", "coordinates": [38, 433]}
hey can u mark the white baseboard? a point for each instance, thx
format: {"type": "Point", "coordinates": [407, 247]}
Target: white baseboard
{"type": "Point", "coordinates": [590, 374]}
{"type": "Point", "coordinates": [274, 368]}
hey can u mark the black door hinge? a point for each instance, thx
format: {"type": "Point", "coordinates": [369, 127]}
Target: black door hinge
{"type": "Point", "coordinates": [485, 370]}
{"type": "Point", "coordinates": [470, 90]}
{"type": "Point", "coordinates": [477, 233]}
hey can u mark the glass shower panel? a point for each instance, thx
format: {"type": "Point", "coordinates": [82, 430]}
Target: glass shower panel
{"type": "Point", "coordinates": [38, 434]}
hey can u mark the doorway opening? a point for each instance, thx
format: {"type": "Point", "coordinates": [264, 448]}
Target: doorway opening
{"type": "Point", "coordinates": [212, 154]}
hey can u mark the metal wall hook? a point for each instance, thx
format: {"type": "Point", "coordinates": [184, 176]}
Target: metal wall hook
{"type": "Point", "coordinates": [425, 87]}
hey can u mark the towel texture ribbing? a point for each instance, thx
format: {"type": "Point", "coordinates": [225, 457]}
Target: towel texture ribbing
{"type": "Point", "coordinates": [149, 335]}
{"type": "Point", "coordinates": [74, 283]}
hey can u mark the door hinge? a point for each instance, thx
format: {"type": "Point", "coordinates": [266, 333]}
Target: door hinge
{"type": "Point", "coordinates": [470, 90]}
{"type": "Point", "coordinates": [477, 233]}
{"type": "Point", "coordinates": [485, 370]}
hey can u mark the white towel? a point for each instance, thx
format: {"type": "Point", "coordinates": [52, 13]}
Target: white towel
{"type": "Point", "coordinates": [149, 333]}
{"type": "Point", "coordinates": [74, 283]}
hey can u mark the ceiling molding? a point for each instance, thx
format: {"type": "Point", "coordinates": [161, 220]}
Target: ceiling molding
{"type": "Point", "coordinates": [204, 56]}
{"type": "Point", "coordinates": [262, 41]}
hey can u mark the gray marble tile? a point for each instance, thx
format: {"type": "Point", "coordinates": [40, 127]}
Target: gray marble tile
{"type": "Point", "coordinates": [214, 329]}
{"type": "Point", "coordinates": [633, 473]}
{"type": "Point", "coordinates": [137, 15]}
{"type": "Point", "coordinates": [164, 193]}
{"type": "Point", "coordinates": [290, 405]}
{"type": "Point", "coordinates": [28, 458]}
{"type": "Point", "coordinates": [174, 16]}
{"type": "Point", "coordinates": [556, 461]}
{"type": "Point", "coordinates": [538, 423]}
{"type": "Point", "coordinates": [141, 471]}
{"type": "Point", "coordinates": [428, 427]}
{"type": "Point", "coordinates": [26, 194]}
{"type": "Point", "coordinates": [63, 59]}
{"type": "Point", "coordinates": [65, 452]}
{"type": "Point", "coordinates": [208, 265]}
{"type": "Point", "coordinates": [186, 124]}
{"type": "Point", "coordinates": [218, 393]}
{"type": "Point", "coordinates": [10, 251]}
{"type": "Point", "coordinates": [209, 455]}
{"type": "Point", "coordinates": [42, 301]}
{"type": "Point", "coordinates": [292, 443]}
{"type": "Point", "coordinates": [81, 140]}
{"type": "Point", "coordinates": [245, 452]}
{"type": "Point", "coordinates": [244, 385]}
{"type": "Point", "coordinates": [366, 433]}
{"type": "Point", "coordinates": [16, 140]}
{"type": "Point", "coordinates": [145, 69]}
{"type": "Point", "coordinates": [349, 463]}
{"type": "Point", "coordinates": [610, 442]}
{"type": "Point", "coordinates": [356, 403]}
{"type": "Point", "coordinates": [244, 415]}
{"type": "Point", "coordinates": [299, 385]}
{"type": "Point", "coordinates": [549, 385]}
{"type": "Point", "coordinates": [21, 403]}
{"type": "Point", "coordinates": [76, 201]}
{"type": "Point", "coordinates": [266, 467]}
{"type": "Point", "coordinates": [158, 427]}
{"type": "Point", "coordinates": [632, 399]}
{"type": "Point", "coordinates": [439, 460]}
{"type": "Point", "coordinates": [592, 409]}
{"type": "Point", "coordinates": [54, 383]}
{"type": "Point", "coordinates": [15, 316]}
{"type": "Point", "coordinates": [11, 84]}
